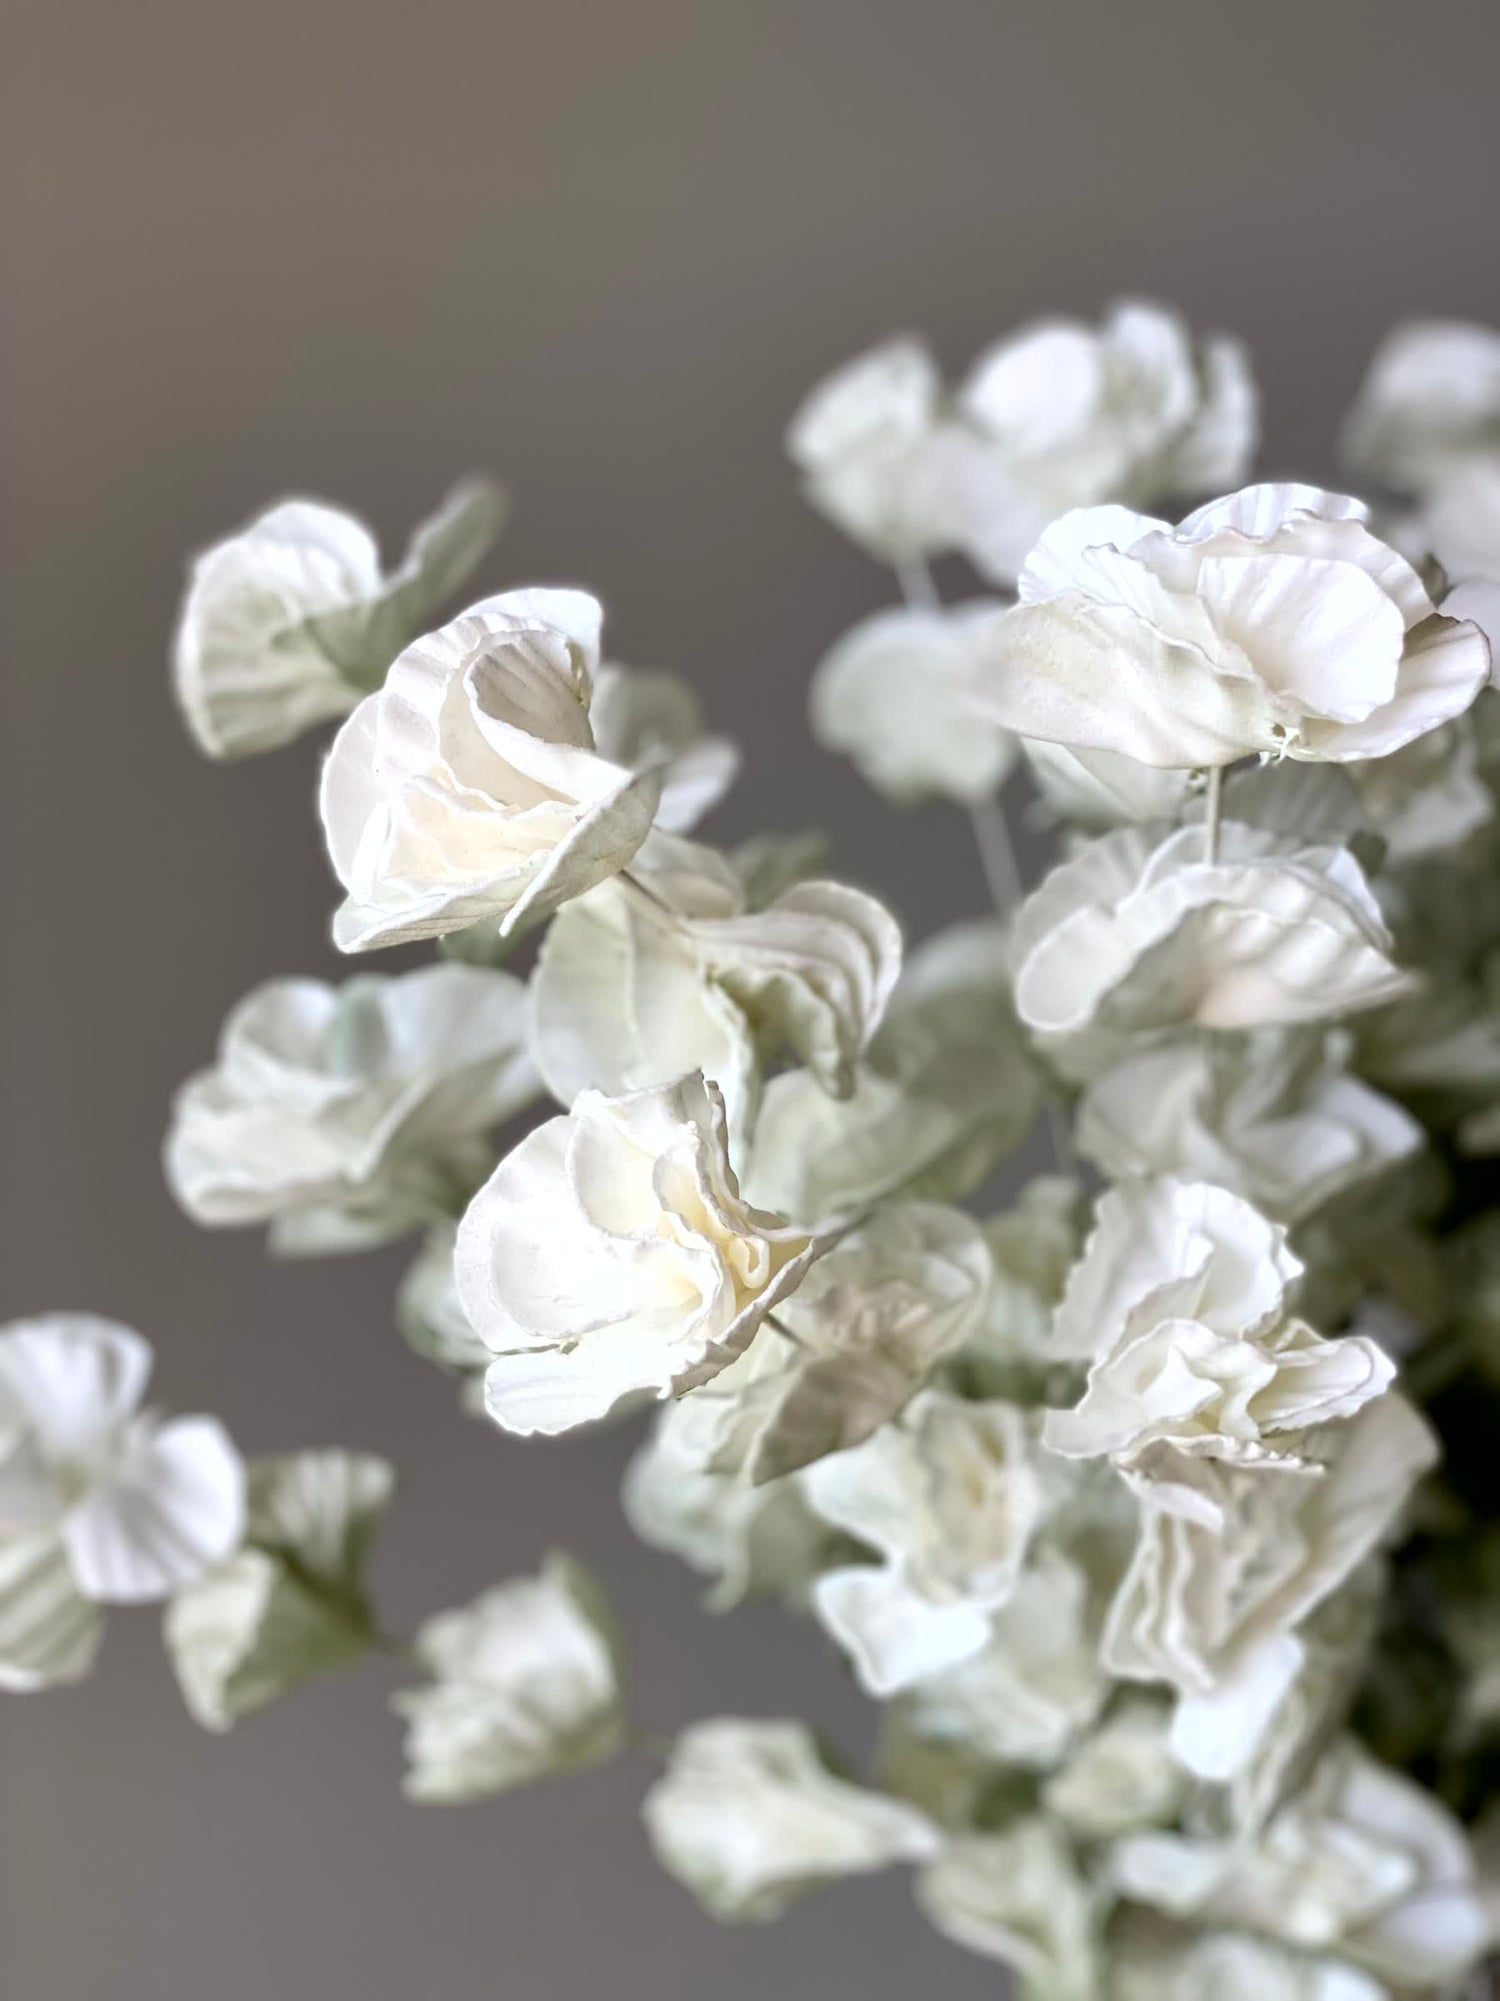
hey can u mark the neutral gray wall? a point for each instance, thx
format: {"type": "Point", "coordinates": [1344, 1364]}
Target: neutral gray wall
{"type": "Point", "coordinates": [600, 246]}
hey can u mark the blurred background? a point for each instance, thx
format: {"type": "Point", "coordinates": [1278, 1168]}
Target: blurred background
{"type": "Point", "coordinates": [600, 247]}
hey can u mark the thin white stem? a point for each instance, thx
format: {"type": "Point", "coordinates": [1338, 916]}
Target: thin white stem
{"type": "Point", "coordinates": [997, 855]}
{"type": "Point", "coordinates": [1213, 805]}
{"type": "Point", "coordinates": [914, 575]}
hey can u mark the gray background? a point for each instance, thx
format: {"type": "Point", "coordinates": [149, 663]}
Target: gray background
{"type": "Point", "coordinates": [601, 248]}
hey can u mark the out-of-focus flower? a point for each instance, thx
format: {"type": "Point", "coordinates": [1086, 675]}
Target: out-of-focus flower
{"type": "Point", "coordinates": [1032, 1247]}
{"type": "Point", "coordinates": [1431, 398]}
{"type": "Point", "coordinates": [750, 1818]}
{"type": "Point", "coordinates": [1232, 1559]}
{"type": "Point", "coordinates": [854, 1344]}
{"type": "Point", "coordinates": [949, 1495]}
{"type": "Point", "coordinates": [1019, 1896]}
{"type": "Point", "coordinates": [1134, 411]}
{"type": "Point", "coordinates": [894, 695]}
{"type": "Point", "coordinates": [649, 720]}
{"type": "Point", "coordinates": [1151, 1960]}
{"type": "Point", "coordinates": [1364, 1863]}
{"type": "Point", "coordinates": [1270, 621]}
{"type": "Point", "coordinates": [1121, 1777]}
{"type": "Point", "coordinates": [289, 622]}
{"type": "Point", "coordinates": [610, 1255]}
{"type": "Point", "coordinates": [290, 1603]}
{"type": "Point", "coordinates": [1429, 797]}
{"type": "Point", "coordinates": [101, 1502]}
{"type": "Point", "coordinates": [944, 1093]}
{"type": "Point", "coordinates": [525, 1683]}
{"type": "Point", "coordinates": [345, 1115]}
{"type": "Point", "coordinates": [1138, 934]}
{"type": "Point", "coordinates": [640, 979]}
{"type": "Point", "coordinates": [1459, 523]}
{"type": "Point", "coordinates": [469, 787]}
{"type": "Point", "coordinates": [1275, 1117]}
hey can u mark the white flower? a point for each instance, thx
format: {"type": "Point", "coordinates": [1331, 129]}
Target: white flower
{"type": "Point", "coordinates": [1135, 935]}
{"type": "Point", "coordinates": [886, 460]}
{"type": "Point", "coordinates": [1032, 1249]}
{"type": "Point", "coordinates": [1019, 1896]}
{"type": "Point", "coordinates": [1097, 789]}
{"type": "Point", "coordinates": [49, 1632]}
{"type": "Point", "coordinates": [751, 1540]}
{"type": "Point", "coordinates": [1036, 1682]}
{"type": "Point", "coordinates": [1430, 399]}
{"type": "Point", "coordinates": [639, 980]}
{"type": "Point", "coordinates": [1428, 797]}
{"type": "Point", "coordinates": [1151, 1960]}
{"type": "Point", "coordinates": [430, 1313]}
{"type": "Point", "coordinates": [1131, 411]}
{"type": "Point", "coordinates": [650, 720]}
{"type": "Point", "coordinates": [469, 787]}
{"type": "Point", "coordinates": [610, 1254]}
{"type": "Point", "coordinates": [1232, 1559]}
{"type": "Point", "coordinates": [1121, 1777]}
{"type": "Point", "coordinates": [139, 1505]}
{"type": "Point", "coordinates": [525, 1683]}
{"type": "Point", "coordinates": [1270, 621]}
{"type": "Point", "coordinates": [852, 1346]}
{"type": "Point", "coordinates": [944, 1093]}
{"type": "Point", "coordinates": [290, 1604]}
{"type": "Point", "coordinates": [291, 621]}
{"type": "Point", "coordinates": [749, 1818]}
{"type": "Point", "coordinates": [1364, 1862]}
{"type": "Point", "coordinates": [344, 1115]}
{"type": "Point", "coordinates": [1275, 1117]}
{"type": "Point", "coordinates": [949, 1496]}
{"type": "Point", "coordinates": [894, 695]}
{"type": "Point", "coordinates": [1459, 522]}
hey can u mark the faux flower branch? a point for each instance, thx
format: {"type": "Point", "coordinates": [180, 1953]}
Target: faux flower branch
{"type": "Point", "coordinates": [1153, 1500]}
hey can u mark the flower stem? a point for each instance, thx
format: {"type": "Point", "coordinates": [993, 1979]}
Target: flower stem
{"type": "Point", "coordinates": [997, 855]}
{"type": "Point", "coordinates": [914, 575]}
{"type": "Point", "coordinates": [1214, 800]}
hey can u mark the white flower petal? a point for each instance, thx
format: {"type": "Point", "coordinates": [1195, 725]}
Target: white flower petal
{"type": "Point", "coordinates": [174, 1505]}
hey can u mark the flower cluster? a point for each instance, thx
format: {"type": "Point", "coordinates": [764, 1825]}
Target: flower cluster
{"type": "Point", "coordinates": [1151, 1496]}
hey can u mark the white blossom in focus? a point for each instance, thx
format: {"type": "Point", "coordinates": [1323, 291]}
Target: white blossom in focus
{"type": "Point", "coordinates": [948, 1495]}
{"type": "Point", "coordinates": [1134, 410]}
{"type": "Point", "coordinates": [1275, 1117]}
{"type": "Point", "coordinates": [944, 1093]}
{"type": "Point", "coordinates": [1271, 621]}
{"type": "Point", "coordinates": [1431, 398]}
{"type": "Point", "coordinates": [524, 1683]}
{"type": "Point", "coordinates": [1020, 1896]}
{"type": "Point", "coordinates": [1136, 934]}
{"type": "Point", "coordinates": [893, 695]}
{"type": "Point", "coordinates": [289, 622]}
{"type": "Point", "coordinates": [1364, 1863]}
{"type": "Point", "coordinates": [290, 1603]}
{"type": "Point", "coordinates": [852, 1346]}
{"type": "Point", "coordinates": [138, 1504]}
{"type": "Point", "coordinates": [646, 720]}
{"type": "Point", "coordinates": [1232, 1559]}
{"type": "Point", "coordinates": [469, 787]}
{"type": "Point", "coordinates": [610, 1255]}
{"type": "Point", "coordinates": [345, 1115]}
{"type": "Point", "coordinates": [749, 1817]}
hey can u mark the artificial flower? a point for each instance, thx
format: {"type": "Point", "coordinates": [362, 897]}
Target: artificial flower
{"type": "Point", "coordinates": [469, 789]}
{"type": "Point", "coordinates": [139, 1505]}
{"type": "Point", "coordinates": [345, 1115]}
{"type": "Point", "coordinates": [750, 1818]}
{"type": "Point", "coordinates": [1271, 621]}
{"type": "Point", "coordinates": [893, 695]}
{"type": "Point", "coordinates": [1232, 1559]}
{"type": "Point", "coordinates": [289, 622]}
{"type": "Point", "coordinates": [943, 1094]}
{"type": "Point", "coordinates": [1430, 400]}
{"type": "Point", "coordinates": [646, 720]}
{"type": "Point", "coordinates": [1139, 933]}
{"type": "Point", "coordinates": [948, 1495]}
{"type": "Point", "coordinates": [1152, 1960]}
{"type": "Point", "coordinates": [610, 1255]}
{"type": "Point", "coordinates": [524, 1683]}
{"type": "Point", "coordinates": [1274, 1116]}
{"type": "Point", "coordinates": [852, 1346]}
{"type": "Point", "coordinates": [1019, 1896]}
{"type": "Point", "coordinates": [1121, 1777]}
{"type": "Point", "coordinates": [290, 1603]}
